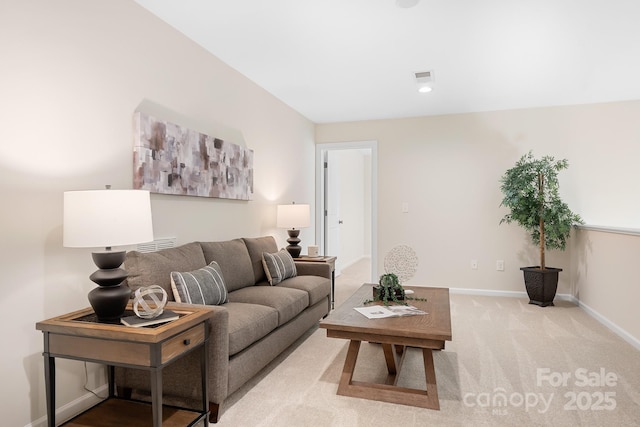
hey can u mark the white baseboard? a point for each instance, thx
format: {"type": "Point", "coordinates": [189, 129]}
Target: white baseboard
{"type": "Point", "coordinates": [563, 297]}
{"type": "Point", "coordinates": [609, 324]}
{"type": "Point", "coordinates": [488, 292]}
{"type": "Point", "coordinates": [73, 408]}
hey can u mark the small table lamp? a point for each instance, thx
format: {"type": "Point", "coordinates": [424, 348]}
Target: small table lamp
{"type": "Point", "coordinates": [106, 218]}
{"type": "Point", "coordinates": [293, 217]}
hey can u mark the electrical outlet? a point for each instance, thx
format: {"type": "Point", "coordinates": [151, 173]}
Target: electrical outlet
{"type": "Point", "coordinates": [474, 264]}
{"type": "Point", "coordinates": [500, 265]}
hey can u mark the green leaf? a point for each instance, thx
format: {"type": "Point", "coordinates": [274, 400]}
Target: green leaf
{"type": "Point", "coordinates": [531, 193]}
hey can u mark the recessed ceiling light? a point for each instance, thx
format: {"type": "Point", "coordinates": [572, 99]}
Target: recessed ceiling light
{"type": "Point", "coordinates": [424, 89]}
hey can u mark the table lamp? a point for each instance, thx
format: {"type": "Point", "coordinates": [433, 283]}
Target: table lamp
{"type": "Point", "coordinates": [106, 218]}
{"type": "Point", "coordinates": [293, 217]}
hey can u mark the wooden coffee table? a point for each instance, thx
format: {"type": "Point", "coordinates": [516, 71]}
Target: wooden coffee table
{"type": "Point", "coordinates": [428, 332]}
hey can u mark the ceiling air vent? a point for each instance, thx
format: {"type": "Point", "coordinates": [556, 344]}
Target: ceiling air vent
{"type": "Point", "coordinates": [423, 77]}
{"type": "Point", "coordinates": [424, 80]}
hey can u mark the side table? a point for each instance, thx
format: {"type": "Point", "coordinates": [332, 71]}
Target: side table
{"type": "Point", "coordinates": [80, 336]}
{"type": "Point", "coordinates": [328, 259]}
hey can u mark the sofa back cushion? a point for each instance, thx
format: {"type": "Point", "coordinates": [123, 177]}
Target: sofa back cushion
{"type": "Point", "coordinates": [256, 246]}
{"type": "Point", "coordinates": [154, 268]}
{"type": "Point", "coordinates": [233, 258]}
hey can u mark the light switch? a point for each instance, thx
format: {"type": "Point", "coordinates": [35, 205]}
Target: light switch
{"type": "Point", "coordinates": [405, 207]}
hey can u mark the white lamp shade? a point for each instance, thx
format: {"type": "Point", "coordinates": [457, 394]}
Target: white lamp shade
{"type": "Point", "coordinates": [104, 218]}
{"type": "Point", "coordinates": [293, 216]}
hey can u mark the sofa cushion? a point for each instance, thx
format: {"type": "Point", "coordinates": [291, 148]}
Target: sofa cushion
{"type": "Point", "coordinates": [154, 268]}
{"type": "Point", "coordinates": [288, 302]}
{"type": "Point", "coordinates": [317, 287]}
{"type": "Point", "coordinates": [278, 266]}
{"type": "Point", "coordinates": [233, 258]}
{"type": "Point", "coordinates": [256, 246]}
{"type": "Point", "coordinates": [248, 323]}
{"type": "Point", "coordinates": [203, 286]}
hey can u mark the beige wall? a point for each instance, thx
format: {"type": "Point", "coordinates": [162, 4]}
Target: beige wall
{"type": "Point", "coordinates": [606, 280]}
{"type": "Point", "coordinates": [448, 169]}
{"type": "Point", "coordinates": [73, 73]}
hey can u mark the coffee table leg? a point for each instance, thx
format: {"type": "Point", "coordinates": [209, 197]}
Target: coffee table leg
{"type": "Point", "coordinates": [349, 367]}
{"type": "Point", "coordinates": [393, 367]}
{"type": "Point", "coordinates": [394, 356]}
{"type": "Point", "coordinates": [390, 358]}
{"type": "Point", "coordinates": [430, 375]}
{"type": "Point", "coordinates": [389, 392]}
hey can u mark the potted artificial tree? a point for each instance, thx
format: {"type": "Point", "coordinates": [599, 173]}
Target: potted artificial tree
{"type": "Point", "coordinates": [531, 194]}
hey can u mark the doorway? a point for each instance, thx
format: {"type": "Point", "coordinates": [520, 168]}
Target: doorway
{"type": "Point", "coordinates": [346, 201]}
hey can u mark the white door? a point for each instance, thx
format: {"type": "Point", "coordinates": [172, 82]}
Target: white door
{"type": "Point", "coordinates": [332, 207]}
{"type": "Point", "coordinates": [331, 211]}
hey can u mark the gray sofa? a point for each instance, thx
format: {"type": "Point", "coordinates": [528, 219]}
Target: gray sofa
{"type": "Point", "coordinates": [257, 323]}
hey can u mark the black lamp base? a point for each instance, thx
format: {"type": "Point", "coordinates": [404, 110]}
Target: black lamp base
{"type": "Point", "coordinates": [110, 298]}
{"type": "Point", "coordinates": [109, 302]}
{"type": "Point", "coordinates": [294, 249]}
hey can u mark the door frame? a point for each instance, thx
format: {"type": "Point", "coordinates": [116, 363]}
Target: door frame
{"type": "Point", "coordinates": [321, 150]}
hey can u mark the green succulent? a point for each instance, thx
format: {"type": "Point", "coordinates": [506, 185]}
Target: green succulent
{"type": "Point", "coordinates": [389, 288]}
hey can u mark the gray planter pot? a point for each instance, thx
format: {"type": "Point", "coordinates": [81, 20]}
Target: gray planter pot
{"type": "Point", "coordinates": [541, 284]}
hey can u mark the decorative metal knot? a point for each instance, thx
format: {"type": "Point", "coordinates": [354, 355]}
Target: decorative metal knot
{"type": "Point", "coordinates": [147, 302]}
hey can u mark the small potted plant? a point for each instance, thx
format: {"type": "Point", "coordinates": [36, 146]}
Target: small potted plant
{"type": "Point", "coordinates": [530, 190]}
{"type": "Point", "coordinates": [389, 288]}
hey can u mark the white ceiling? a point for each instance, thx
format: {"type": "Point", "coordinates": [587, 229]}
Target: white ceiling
{"type": "Point", "coordinates": [345, 60]}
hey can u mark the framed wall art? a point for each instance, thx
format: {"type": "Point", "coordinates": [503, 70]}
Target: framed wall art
{"type": "Point", "coordinates": [171, 159]}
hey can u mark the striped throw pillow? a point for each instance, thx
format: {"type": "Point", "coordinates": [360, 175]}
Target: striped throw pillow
{"type": "Point", "coordinates": [278, 266]}
{"type": "Point", "coordinates": [203, 286]}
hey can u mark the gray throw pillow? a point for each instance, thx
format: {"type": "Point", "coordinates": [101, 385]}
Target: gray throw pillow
{"type": "Point", "coordinates": [203, 286]}
{"type": "Point", "coordinates": [278, 266]}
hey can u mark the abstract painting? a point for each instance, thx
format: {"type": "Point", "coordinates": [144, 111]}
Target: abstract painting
{"type": "Point", "coordinates": [171, 159]}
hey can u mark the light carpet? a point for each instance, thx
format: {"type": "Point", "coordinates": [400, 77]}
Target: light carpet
{"type": "Point", "coordinates": [509, 364]}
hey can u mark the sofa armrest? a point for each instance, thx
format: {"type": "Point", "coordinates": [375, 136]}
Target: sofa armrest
{"type": "Point", "coordinates": [313, 269]}
{"type": "Point", "coordinates": [218, 323]}
{"type": "Point", "coordinates": [181, 377]}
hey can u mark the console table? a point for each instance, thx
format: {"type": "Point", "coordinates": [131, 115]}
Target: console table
{"type": "Point", "coordinates": [80, 336]}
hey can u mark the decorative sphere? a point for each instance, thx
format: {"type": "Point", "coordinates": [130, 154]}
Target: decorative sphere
{"type": "Point", "coordinates": [149, 301]}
